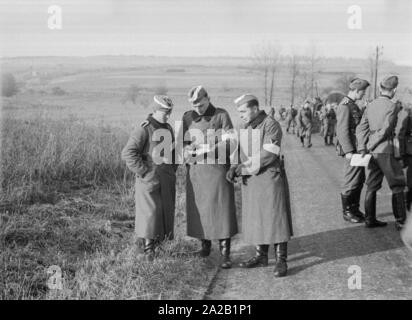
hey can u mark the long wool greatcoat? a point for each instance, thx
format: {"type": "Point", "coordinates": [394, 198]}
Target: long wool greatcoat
{"type": "Point", "coordinates": [329, 122]}
{"type": "Point", "coordinates": [266, 212]}
{"type": "Point", "coordinates": [210, 200]}
{"type": "Point", "coordinates": [155, 186]}
{"type": "Point", "coordinates": [304, 120]}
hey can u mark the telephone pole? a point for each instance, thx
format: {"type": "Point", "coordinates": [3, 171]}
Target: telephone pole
{"type": "Point", "coordinates": [378, 53]}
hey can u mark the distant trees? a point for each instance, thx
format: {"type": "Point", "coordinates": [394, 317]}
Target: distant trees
{"type": "Point", "coordinates": [294, 67]}
{"type": "Point", "coordinates": [267, 60]}
{"type": "Point", "coordinates": [8, 85]}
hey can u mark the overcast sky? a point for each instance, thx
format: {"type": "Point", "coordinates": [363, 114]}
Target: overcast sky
{"type": "Point", "coordinates": [205, 27]}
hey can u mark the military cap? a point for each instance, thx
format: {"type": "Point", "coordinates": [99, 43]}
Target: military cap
{"type": "Point", "coordinates": [390, 82]}
{"type": "Point", "coordinates": [196, 95]}
{"type": "Point", "coordinates": [358, 84]}
{"type": "Point", "coordinates": [162, 102]}
{"type": "Point", "coordinates": [245, 99]}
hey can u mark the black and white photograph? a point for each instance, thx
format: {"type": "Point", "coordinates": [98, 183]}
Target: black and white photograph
{"type": "Point", "coordinates": [219, 151]}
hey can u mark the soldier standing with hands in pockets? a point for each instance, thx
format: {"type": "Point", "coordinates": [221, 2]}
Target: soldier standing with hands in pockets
{"type": "Point", "coordinates": [155, 182]}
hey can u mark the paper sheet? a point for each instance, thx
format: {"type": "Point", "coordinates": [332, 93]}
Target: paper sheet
{"type": "Point", "coordinates": [358, 161]}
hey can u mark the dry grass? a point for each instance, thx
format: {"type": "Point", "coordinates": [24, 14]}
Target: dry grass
{"type": "Point", "coordinates": [67, 200]}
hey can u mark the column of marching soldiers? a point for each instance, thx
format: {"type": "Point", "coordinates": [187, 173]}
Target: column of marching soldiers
{"type": "Point", "coordinates": [382, 129]}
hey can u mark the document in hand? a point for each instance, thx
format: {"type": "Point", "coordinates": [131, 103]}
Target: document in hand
{"type": "Point", "coordinates": [203, 148]}
{"type": "Point", "coordinates": [358, 161]}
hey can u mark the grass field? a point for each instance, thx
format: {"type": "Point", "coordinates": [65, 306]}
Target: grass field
{"type": "Point", "coordinates": [67, 198]}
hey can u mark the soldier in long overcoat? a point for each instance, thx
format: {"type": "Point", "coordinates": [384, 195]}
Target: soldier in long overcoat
{"type": "Point", "coordinates": [266, 212]}
{"type": "Point", "coordinates": [375, 135]}
{"type": "Point", "coordinates": [304, 121]}
{"type": "Point", "coordinates": [291, 114]}
{"type": "Point", "coordinates": [328, 116]}
{"type": "Point", "coordinates": [348, 118]}
{"type": "Point", "coordinates": [210, 199]}
{"type": "Point", "coordinates": [155, 185]}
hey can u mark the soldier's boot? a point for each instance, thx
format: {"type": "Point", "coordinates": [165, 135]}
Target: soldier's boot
{"type": "Point", "coordinates": [399, 210]}
{"type": "Point", "coordinates": [224, 246]}
{"type": "Point", "coordinates": [148, 249]}
{"type": "Point", "coordinates": [370, 211]}
{"type": "Point", "coordinates": [326, 140]}
{"type": "Point", "coordinates": [347, 210]}
{"type": "Point", "coordinates": [281, 254]}
{"type": "Point", "coordinates": [331, 140]}
{"type": "Point", "coordinates": [309, 142]}
{"type": "Point", "coordinates": [259, 260]}
{"type": "Point", "coordinates": [206, 246]}
{"type": "Point", "coordinates": [408, 199]}
{"type": "Point", "coordinates": [302, 140]}
{"type": "Point", "coordinates": [356, 204]}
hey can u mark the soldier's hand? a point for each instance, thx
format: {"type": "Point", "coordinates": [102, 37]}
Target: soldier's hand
{"type": "Point", "coordinates": [363, 153]}
{"type": "Point", "coordinates": [231, 175]}
{"type": "Point", "coordinates": [239, 168]}
{"type": "Point", "coordinates": [349, 155]}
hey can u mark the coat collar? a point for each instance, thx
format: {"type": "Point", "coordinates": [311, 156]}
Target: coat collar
{"type": "Point", "coordinates": [350, 99]}
{"type": "Point", "coordinates": [210, 111]}
{"type": "Point", "coordinates": [258, 120]}
{"type": "Point", "coordinates": [156, 124]}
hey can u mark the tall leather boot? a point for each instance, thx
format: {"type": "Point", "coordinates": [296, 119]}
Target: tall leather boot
{"type": "Point", "coordinates": [399, 210]}
{"type": "Point", "coordinates": [370, 211]}
{"type": "Point", "coordinates": [206, 245]}
{"type": "Point", "coordinates": [281, 254]}
{"type": "Point", "coordinates": [224, 246]}
{"type": "Point", "coordinates": [331, 140]}
{"type": "Point", "coordinates": [408, 199]}
{"type": "Point", "coordinates": [302, 141]}
{"type": "Point", "coordinates": [309, 141]}
{"type": "Point", "coordinates": [326, 140]}
{"type": "Point", "coordinates": [259, 260]}
{"type": "Point", "coordinates": [347, 210]}
{"type": "Point", "coordinates": [149, 249]}
{"type": "Point", "coordinates": [356, 203]}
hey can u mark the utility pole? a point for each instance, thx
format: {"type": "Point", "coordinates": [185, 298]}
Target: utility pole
{"type": "Point", "coordinates": [376, 70]}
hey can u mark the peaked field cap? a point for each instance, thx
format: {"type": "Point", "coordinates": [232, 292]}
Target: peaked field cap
{"type": "Point", "coordinates": [196, 94]}
{"type": "Point", "coordinates": [244, 99]}
{"type": "Point", "coordinates": [390, 82]}
{"type": "Point", "coordinates": [358, 84]}
{"type": "Point", "coordinates": [163, 102]}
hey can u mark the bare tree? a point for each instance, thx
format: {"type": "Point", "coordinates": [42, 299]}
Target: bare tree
{"type": "Point", "coordinates": [313, 62]}
{"type": "Point", "coordinates": [294, 66]}
{"type": "Point", "coordinates": [305, 81]}
{"type": "Point", "coordinates": [267, 59]}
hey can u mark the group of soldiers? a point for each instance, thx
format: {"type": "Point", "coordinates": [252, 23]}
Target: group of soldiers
{"type": "Point", "coordinates": [210, 198]}
{"type": "Point", "coordinates": [383, 129]}
{"type": "Point", "coordinates": [303, 120]}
